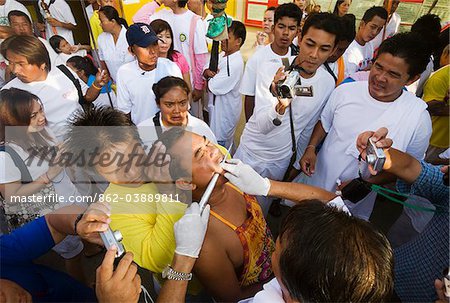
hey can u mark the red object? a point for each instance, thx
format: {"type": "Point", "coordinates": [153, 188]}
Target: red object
{"type": "Point", "coordinates": [253, 22]}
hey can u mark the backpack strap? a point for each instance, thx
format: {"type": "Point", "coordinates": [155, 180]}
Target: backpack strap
{"type": "Point", "coordinates": [19, 163]}
{"type": "Point", "coordinates": [76, 82]}
{"type": "Point", "coordinates": [328, 68]}
{"type": "Point", "coordinates": [157, 124]}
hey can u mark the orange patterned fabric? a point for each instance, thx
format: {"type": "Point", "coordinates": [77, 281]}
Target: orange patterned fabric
{"type": "Point", "coordinates": [257, 242]}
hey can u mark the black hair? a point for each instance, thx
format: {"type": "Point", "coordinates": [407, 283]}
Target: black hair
{"type": "Point", "coordinates": [289, 10]}
{"type": "Point", "coordinates": [28, 46]}
{"type": "Point", "coordinates": [271, 8]}
{"type": "Point", "coordinates": [159, 26]}
{"type": "Point", "coordinates": [83, 63]}
{"type": "Point", "coordinates": [373, 12]}
{"type": "Point", "coordinates": [429, 26]}
{"type": "Point", "coordinates": [166, 84]}
{"type": "Point", "coordinates": [348, 27]}
{"type": "Point", "coordinates": [17, 13]}
{"type": "Point", "coordinates": [182, 3]}
{"type": "Point", "coordinates": [323, 21]}
{"type": "Point", "coordinates": [411, 48]}
{"type": "Point", "coordinates": [238, 29]}
{"type": "Point", "coordinates": [336, 7]}
{"type": "Point", "coordinates": [55, 41]}
{"type": "Point", "coordinates": [329, 256]}
{"type": "Point", "coordinates": [112, 14]}
{"type": "Point", "coordinates": [168, 139]}
{"type": "Point", "coordinates": [98, 129]}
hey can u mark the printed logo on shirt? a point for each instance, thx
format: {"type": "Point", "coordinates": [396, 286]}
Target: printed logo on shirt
{"type": "Point", "coordinates": [71, 95]}
{"type": "Point", "coordinates": [182, 37]}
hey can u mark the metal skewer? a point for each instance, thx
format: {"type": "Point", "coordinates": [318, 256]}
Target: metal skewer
{"type": "Point", "coordinates": [212, 184]}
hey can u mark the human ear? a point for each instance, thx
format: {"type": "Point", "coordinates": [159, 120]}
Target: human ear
{"type": "Point", "coordinates": [185, 184]}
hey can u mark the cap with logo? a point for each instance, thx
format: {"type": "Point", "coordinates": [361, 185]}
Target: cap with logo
{"type": "Point", "coordinates": [141, 34]}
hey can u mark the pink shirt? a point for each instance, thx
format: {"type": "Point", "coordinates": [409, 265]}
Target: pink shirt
{"type": "Point", "coordinates": [180, 60]}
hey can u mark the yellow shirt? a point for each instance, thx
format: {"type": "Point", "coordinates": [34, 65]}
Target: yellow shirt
{"type": "Point", "coordinates": [146, 223]}
{"type": "Point", "coordinates": [96, 27]}
{"type": "Point", "coordinates": [436, 88]}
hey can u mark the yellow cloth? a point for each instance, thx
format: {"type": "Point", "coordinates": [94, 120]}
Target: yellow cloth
{"type": "Point", "coordinates": [146, 227]}
{"type": "Point", "coordinates": [96, 27]}
{"type": "Point", "coordinates": [436, 88]}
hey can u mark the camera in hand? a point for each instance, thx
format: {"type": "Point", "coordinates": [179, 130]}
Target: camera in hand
{"type": "Point", "coordinates": [291, 87]}
{"type": "Point", "coordinates": [375, 156]}
{"type": "Point", "coordinates": [111, 238]}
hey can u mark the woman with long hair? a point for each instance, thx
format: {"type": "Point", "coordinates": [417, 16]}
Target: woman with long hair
{"type": "Point", "coordinates": [341, 8]}
{"type": "Point", "coordinates": [112, 43]}
{"type": "Point", "coordinates": [166, 47]}
{"type": "Point", "coordinates": [32, 181]}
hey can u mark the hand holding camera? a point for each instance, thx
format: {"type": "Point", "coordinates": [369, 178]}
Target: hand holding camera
{"type": "Point", "coordinates": [370, 145]}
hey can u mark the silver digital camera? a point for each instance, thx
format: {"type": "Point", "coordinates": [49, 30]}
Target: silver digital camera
{"type": "Point", "coordinates": [375, 156]}
{"type": "Point", "coordinates": [286, 88]}
{"type": "Point", "coordinates": [111, 238]}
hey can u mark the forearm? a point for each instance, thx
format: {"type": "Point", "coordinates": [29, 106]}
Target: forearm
{"type": "Point", "coordinates": [298, 192]}
{"type": "Point", "coordinates": [24, 190]}
{"type": "Point", "coordinates": [249, 105]}
{"type": "Point", "coordinates": [62, 221]}
{"type": "Point", "coordinates": [67, 25]}
{"type": "Point", "coordinates": [438, 108]}
{"type": "Point", "coordinates": [382, 178]}
{"type": "Point", "coordinates": [402, 165]}
{"type": "Point", "coordinates": [175, 291]}
{"type": "Point", "coordinates": [93, 92]}
{"type": "Point", "coordinates": [318, 134]}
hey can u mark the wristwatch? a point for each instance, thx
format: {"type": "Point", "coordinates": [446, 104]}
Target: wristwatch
{"type": "Point", "coordinates": [171, 274]}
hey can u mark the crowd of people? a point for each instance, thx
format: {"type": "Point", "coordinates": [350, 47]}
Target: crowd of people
{"type": "Point", "coordinates": [345, 141]}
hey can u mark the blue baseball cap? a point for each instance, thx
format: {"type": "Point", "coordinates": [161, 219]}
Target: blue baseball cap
{"type": "Point", "coordinates": [141, 34]}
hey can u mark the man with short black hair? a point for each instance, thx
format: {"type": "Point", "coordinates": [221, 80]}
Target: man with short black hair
{"type": "Point", "coordinates": [336, 60]}
{"type": "Point", "coordinates": [134, 96]}
{"type": "Point", "coordinates": [260, 68]}
{"type": "Point", "coordinates": [359, 54]}
{"type": "Point", "coordinates": [357, 106]}
{"type": "Point", "coordinates": [278, 126]}
{"type": "Point", "coordinates": [21, 25]}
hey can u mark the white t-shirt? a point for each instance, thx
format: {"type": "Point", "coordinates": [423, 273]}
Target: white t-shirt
{"type": "Point", "coordinates": [266, 142]}
{"type": "Point", "coordinates": [259, 72]}
{"type": "Point", "coordinates": [61, 11]}
{"type": "Point", "coordinates": [63, 185]}
{"type": "Point", "coordinates": [11, 5]}
{"type": "Point", "coordinates": [62, 58]}
{"type": "Point", "coordinates": [51, 52]}
{"type": "Point", "coordinates": [391, 29]}
{"type": "Point", "coordinates": [114, 54]}
{"type": "Point", "coordinates": [181, 24]}
{"type": "Point", "coordinates": [134, 88]}
{"type": "Point", "coordinates": [350, 111]}
{"type": "Point", "coordinates": [225, 101]}
{"type": "Point", "coordinates": [357, 57]}
{"type": "Point", "coordinates": [271, 292]}
{"type": "Point", "coordinates": [149, 135]}
{"type": "Point", "coordinates": [58, 95]}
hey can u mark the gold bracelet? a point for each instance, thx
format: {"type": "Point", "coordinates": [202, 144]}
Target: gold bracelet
{"type": "Point", "coordinates": [310, 146]}
{"type": "Point", "coordinates": [95, 86]}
